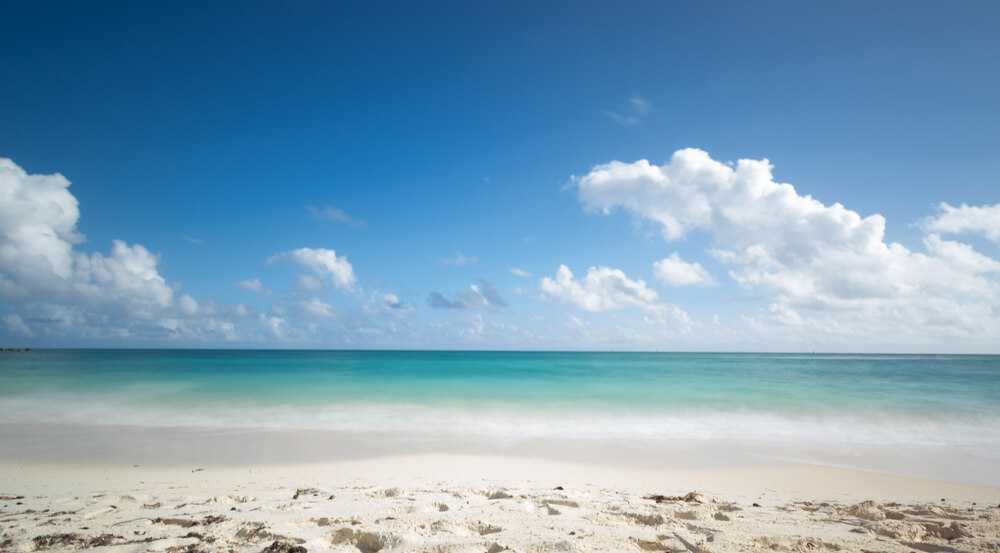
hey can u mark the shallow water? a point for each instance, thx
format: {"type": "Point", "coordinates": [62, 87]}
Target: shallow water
{"type": "Point", "coordinates": [797, 402]}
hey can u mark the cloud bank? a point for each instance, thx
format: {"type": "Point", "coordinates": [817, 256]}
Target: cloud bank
{"type": "Point", "coordinates": [826, 269]}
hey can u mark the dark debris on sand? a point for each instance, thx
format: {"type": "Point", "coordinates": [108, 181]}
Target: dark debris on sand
{"type": "Point", "coordinates": [690, 497]}
{"type": "Point", "coordinates": [283, 547]}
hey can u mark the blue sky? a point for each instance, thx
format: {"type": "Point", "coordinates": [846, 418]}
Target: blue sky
{"type": "Point", "coordinates": [207, 133]}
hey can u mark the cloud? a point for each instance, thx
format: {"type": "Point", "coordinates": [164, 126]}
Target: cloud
{"type": "Point", "coordinates": [608, 289]}
{"type": "Point", "coordinates": [335, 215]}
{"type": "Point", "coordinates": [602, 289]}
{"type": "Point", "coordinates": [677, 272]}
{"type": "Point", "coordinates": [251, 284]}
{"type": "Point", "coordinates": [392, 301]}
{"type": "Point", "coordinates": [309, 283]}
{"type": "Point", "coordinates": [518, 272]}
{"type": "Point", "coordinates": [322, 262]}
{"type": "Point", "coordinates": [967, 219]}
{"type": "Point", "coordinates": [54, 289]}
{"type": "Point", "coordinates": [824, 267]}
{"type": "Point", "coordinates": [638, 109]}
{"type": "Point", "coordinates": [187, 305]}
{"type": "Point", "coordinates": [484, 294]}
{"type": "Point", "coordinates": [15, 325]}
{"type": "Point", "coordinates": [436, 300]}
{"type": "Point", "coordinates": [193, 240]}
{"type": "Point", "coordinates": [479, 295]}
{"type": "Point", "coordinates": [460, 260]}
{"type": "Point", "coordinates": [316, 307]}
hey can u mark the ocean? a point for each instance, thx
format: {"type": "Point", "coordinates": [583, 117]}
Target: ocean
{"type": "Point", "coordinates": [938, 406]}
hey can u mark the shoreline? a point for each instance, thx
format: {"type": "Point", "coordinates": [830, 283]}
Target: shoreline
{"type": "Point", "coordinates": [122, 445]}
{"type": "Point", "coordinates": [787, 481]}
{"type": "Point", "coordinates": [435, 503]}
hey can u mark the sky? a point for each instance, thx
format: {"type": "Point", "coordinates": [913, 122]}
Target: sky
{"type": "Point", "coordinates": [727, 176]}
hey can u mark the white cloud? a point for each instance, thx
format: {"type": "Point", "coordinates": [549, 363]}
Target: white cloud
{"type": "Point", "coordinates": [323, 262]}
{"type": "Point", "coordinates": [38, 257]}
{"type": "Point", "coordinates": [603, 288]}
{"type": "Point", "coordinates": [275, 325]}
{"type": "Point", "coordinates": [967, 219]}
{"type": "Point", "coordinates": [392, 301]}
{"type": "Point", "coordinates": [316, 307]}
{"type": "Point", "coordinates": [460, 260]}
{"type": "Point", "coordinates": [251, 284]}
{"type": "Point", "coordinates": [187, 305]}
{"type": "Point", "coordinates": [56, 290]}
{"type": "Point", "coordinates": [826, 267]}
{"type": "Point", "coordinates": [674, 270]}
{"type": "Point", "coordinates": [518, 272]}
{"type": "Point", "coordinates": [309, 283]}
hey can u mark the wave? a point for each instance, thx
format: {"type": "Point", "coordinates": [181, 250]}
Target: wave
{"type": "Point", "coordinates": [511, 422]}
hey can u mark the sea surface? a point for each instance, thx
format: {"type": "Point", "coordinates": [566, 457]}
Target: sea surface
{"type": "Point", "coordinates": [935, 402]}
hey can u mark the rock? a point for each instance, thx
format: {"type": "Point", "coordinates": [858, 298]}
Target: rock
{"type": "Point", "coordinates": [495, 548]}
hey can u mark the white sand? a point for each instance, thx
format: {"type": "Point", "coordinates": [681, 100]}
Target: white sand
{"type": "Point", "coordinates": [444, 502]}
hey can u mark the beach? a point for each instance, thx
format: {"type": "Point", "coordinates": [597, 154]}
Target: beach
{"type": "Point", "coordinates": [441, 502]}
{"type": "Point", "coordinates": [186, 452]}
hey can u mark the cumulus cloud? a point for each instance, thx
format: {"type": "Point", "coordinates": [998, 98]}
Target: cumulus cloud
{"type": "Point", "coordinates": [606, 289]}
{"type": "Point", "coordinates": [967, 219]}
{"type": "Point", "coordinates": [322, 262]}
{"type": "Point", "coordinates": [826, 267]}
{"type": "Point", "coordinates": [602, 289]}
{"type": "Point", "coordinates": [187, 305]}
{"type": "Point", "coordinates": [677, 272]}
{"type": "Point", "coordinates": [54, 289]}
{"type": "Point", "coordinates": [518, 272]}
{"type": "Point", "coordinates": [39, 261]}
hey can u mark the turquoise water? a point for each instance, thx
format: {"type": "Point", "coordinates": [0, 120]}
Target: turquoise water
{"type": "Point", "coordinates": [837, 399]}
